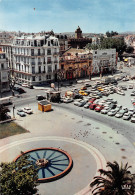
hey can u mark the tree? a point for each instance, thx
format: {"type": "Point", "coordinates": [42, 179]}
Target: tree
{"type": "Point", "coordinates": [129, 49]}
{"type": "Point", "coordinates": [3, 112]}
{"type": "Point", "coordinates": [110, 34]}
{"type": "Point", "coordinates": [116, 181]}
{"type": "Point", "coordinates": [18, 178]}
{"type": "Point", "coordinates": [12, 81]}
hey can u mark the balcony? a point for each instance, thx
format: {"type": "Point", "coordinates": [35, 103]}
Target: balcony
{"type": "Point", "coordinates": [32, 63]}
{"type": "Point", "coordinates": [39, 63]}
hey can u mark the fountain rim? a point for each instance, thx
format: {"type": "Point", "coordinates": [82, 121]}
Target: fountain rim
{"type": "Point", "coordinates": [58, 175]}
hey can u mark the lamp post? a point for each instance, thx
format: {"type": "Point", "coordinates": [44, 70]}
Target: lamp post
{"type": "Point", "coordinates": [13, 111]}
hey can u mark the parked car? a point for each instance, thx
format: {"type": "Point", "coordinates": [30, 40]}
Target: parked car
{"type": "Point", "coordinates": [87, 85]}
{"type": "Point", "coordinates": [132, 93]}
{"type": "Point", "coordinates": [87, 105]}
{"type": "Point", "coordinates": [40, 97]}
{"type": "Point", "coordinates": [27, 110]}
{"type": "Point", "coordinates": [82, 103]}
{"type": "Point", "coordinates": [78, 96]}
{"type": "Point", "coordinates": [83, 93]}
{"type": "Point", "coordinates": [105, 110]}
{"type": "Point", "coordinates": [67, 100]}
{"type": "Point", "coordinates": [130, 87]}
{"type": "Point", "coordinates": [92, 100]}
{"type": "Point", "coordinates": [99, 108]}
{"type": "Point", "coordinates": [76, 103]}
{"type": "Point", "coordinates": [20, 90]}
{"type": "Point", "coordinates": [25, 85]}
{"type": "Point", "coordinates": [21, 113]}
{"type": "Point", "coordinates": [120, 113]}
{"type": "Point", "coordinates": [127, 116]}
{"type": "Point", "coordinates": [112, 112]}
{"type": "Point", "coordinates": [92, 106]}
{"type": "Point", "coordinates": [133, 119]}
{"type": "Point", "coordinates": [83, 88]}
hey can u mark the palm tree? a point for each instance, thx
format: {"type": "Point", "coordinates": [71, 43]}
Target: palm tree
{"type": "Point", "coordinates": [117, 180]}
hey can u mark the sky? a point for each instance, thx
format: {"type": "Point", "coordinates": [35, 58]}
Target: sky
{"type": "Point", "coordinates": [93, 16]}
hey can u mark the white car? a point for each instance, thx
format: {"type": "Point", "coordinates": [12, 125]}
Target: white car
{"type": "Point", "coordinates": [130, 87]}
{"type": "Point", "coordinates": [67, 100]}
{"type": "Point", "coordinates": [24, 85]}
{"type": "Point", "coordinates": [28, 110]}
{"type": "Point", "coordinates": [77, 102]}
{"type": "Point", "coordinates": [105, 110]}
{"type": "Point", "coordinates": [127, 116]}
{"type": "Point", "coordinates": [133, 119]}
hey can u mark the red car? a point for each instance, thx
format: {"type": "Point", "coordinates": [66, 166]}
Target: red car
{"type": "Point", "coordinates": [92, 100]}
{"type": "Point", "coordinates": [92, 106]}
{"type": "Point", "coordinates": [99, 108]}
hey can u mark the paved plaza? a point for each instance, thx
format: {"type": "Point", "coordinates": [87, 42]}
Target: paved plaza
{"type": "Point", "coordinates": [89, 143]}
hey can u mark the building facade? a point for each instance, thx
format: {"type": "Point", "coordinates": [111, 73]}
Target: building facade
{"type": "Point", "coordinates": [104, 61]}
{"type": "Point", "coordinates": [4, 73]}
{"type": "Point", "coordinates": [35, 58]}
{"type": "Point", "coordinates": [75, 63]}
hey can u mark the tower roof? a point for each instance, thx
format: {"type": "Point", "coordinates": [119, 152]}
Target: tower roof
{"type": "Point", "coordinates": [78, 30]}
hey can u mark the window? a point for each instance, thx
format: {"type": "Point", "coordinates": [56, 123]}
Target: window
{"type": "Point", "coordinates": [49, 60]}
{"type": "Point", "coordinates": [33, 70]}
{"type": "Point", "coordinates": [48, 51]}
{"type": "Point", "coordinates": [55, 66]}
{"type": "Point", "coordinates": [33, 61]}
{"type": "Point", "coordinates": [2, 66]}
{"type": "Point", "coordinates": [38, 52]}
{"type": "Point", "coordinates": [62, 66]}
{"type": "Point", "coordinates": [31, 43]}
{"type": "Point", "coordinates": [48, 43]}
{"type": "Point", "coordinates": [39, 69]}
{"type": "Point", "coordinates": [32, 52]}
{"type": "Point", "coordinates": [39, 61]}
{"type": "Point", "coordinates": [33, 78]}
{"type": "Point", "coordinates": [49, 69]}
{"type": "Point", "coordinates": [48, 77]}
{"type": "Point", "coordinates": [39, 78]}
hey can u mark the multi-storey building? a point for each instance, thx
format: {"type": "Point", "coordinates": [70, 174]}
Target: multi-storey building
{"type": "Point", "coordinates": [104, 60]}
{"type": "Point", "coordinates": [35, 58]}
{"type": "Point", "coordinates": [75, 63]}
{"type": "Point", "coordinates": [4, 73]}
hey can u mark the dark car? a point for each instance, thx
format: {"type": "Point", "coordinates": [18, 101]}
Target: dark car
{"type": "Point", "coordinates": [20, 90]}
{"type": "Point", "coordinates": [40, 97]}
{"type": "Point", "coordinates": [77, 96]}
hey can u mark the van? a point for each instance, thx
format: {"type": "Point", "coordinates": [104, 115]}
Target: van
{"type": "Point", "coordinates": [6, 100]}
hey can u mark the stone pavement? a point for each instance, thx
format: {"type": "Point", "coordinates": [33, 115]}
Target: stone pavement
{"type": "Point", "coordinates": [89, 143]}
